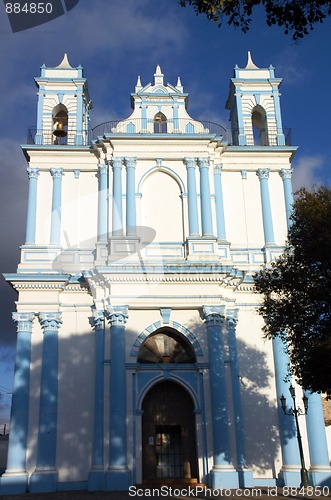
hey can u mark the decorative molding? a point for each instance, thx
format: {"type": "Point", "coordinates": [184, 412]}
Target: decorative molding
{"type": "Point", "coordinates": [117, 315]}
{"type": "Point", "coordinates": [99, 319]}
{"type": "Point", "coordinates": [244, 174]}
{"type": "Point", "coordinates": [286, 173]}
{"type": "Point", "coordinates": [130, 162]}
{"type": "Point", "coordinates": [218, 168]}
{"type": "Point", "coordinates": [33, 173]}
{"type": "Point", "coordinates": [213, 315]}
{"type": "Point", "coordinates": [24, 321]}
{"type": "Point", "coordinates": [50, 321]}
{"type": "Point", "coordinates": [203, 162]}
{"type": "Point", "coordinates": [190, 162]}
{"type": "Point", "coordinates": [38, 286]}
{"type": "Point", "coordinates": [76, 172]}
{"type": "Point", "coordinates": [117, 162]}
{"type": "Point", "coordinates": [102, 168]}
{"type": "Point", "coordinates": [263, 173]}
{"type": "Point", "coordinates": [57, 173]}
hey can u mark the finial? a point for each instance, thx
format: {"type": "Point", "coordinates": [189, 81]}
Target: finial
{"type": "Point", "coordinates": [250, 64]}
{"type": "Point", "coordinates": [138, 84]}
{"type": "Point", "coordinates": [158, 76]}
{"type": "Point", "coordinates": [179, 85]}
{"type": "Point", "coordinates": [64, 63]}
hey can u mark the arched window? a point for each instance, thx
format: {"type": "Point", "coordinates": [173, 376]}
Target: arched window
{"type": "Point", "coordinates": [259, 125]}
{"type": "Point", "coordinates": [60, 124]}
{"type": "Point", "coordinates": [166, 346]}
{"type": "Point", "coordinates": [160, 123]}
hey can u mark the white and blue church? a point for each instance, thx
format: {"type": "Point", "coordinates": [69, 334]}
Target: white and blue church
{"type": "Point", "coordinates": [140, 355]}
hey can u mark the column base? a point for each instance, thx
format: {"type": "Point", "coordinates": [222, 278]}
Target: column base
{"type": "Point", "coordinates": [96, 480]}
{"type": "Point", "coordinates": [13, 483]}
{"type": "Point", "coordinates": [320, 476]}
{"type": "Point", "coordinates": [290, 476]}
{"type": "Point", "coordinates": [123, 247]}
{"type": "Point", "coordinates": [202, 248]}
{"type": "Point", "coordinates": [223, 477]}
{"type": "Point", "coordinates": [118, 479]}
{"type": "Point", "coordinates": [43, 481]}
{"type": "Point", "coordinates": [246, 479]}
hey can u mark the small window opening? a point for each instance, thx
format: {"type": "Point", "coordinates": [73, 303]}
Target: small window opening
{"type": "Point", "coordinates": [259, 125]}
{"type": "Point", "coordinates": [166, 347]}
{"type": "Point", "coordinates": [160, 123]}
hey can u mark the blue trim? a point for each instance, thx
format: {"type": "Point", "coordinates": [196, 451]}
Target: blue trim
{"type": "Point", "coordinates": [166, 170]}
{"type": "Point", "coordinates": [32, 206]}
{"type": "Point", "coordinates": [220, 220]}
{"type": "Point", "coordinates": [55, 236]}
{"type": "Point", "coordinates": [130, 197]}
{"type": "Point", "coordinates": [206, 217]}
{"type": "Point", "coordinates": [192, 199]}
{"type": "Point", "coordinates": [117, 216]}
{"type": "Point", "coordinates": [103, 203]}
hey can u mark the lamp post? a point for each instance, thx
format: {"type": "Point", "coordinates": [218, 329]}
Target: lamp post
{"type": "Point", "coordinates": [296, 411]}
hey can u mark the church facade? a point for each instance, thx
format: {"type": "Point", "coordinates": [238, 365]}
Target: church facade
{"type": "Point", "coordinates": [140, 357]}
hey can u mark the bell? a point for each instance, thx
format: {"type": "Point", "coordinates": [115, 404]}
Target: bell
{"type": "Point", "coordinates": [59, 130]}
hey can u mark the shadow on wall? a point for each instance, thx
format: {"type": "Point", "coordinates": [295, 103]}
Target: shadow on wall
{"type": "Point", "coordinates": [76, 403]}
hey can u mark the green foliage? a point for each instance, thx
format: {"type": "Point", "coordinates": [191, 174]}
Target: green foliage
{"type": "Point", "coordinates": [297, 291]}
{"type": "Point", "coordinates": [297, 17]}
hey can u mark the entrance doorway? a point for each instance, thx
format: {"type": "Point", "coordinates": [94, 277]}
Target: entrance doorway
{"type": "Point", "coordinates": [168, 434]}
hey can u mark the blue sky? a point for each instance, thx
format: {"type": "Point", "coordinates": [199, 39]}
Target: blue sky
{"type": "Point", "coordinates": [115, 41]}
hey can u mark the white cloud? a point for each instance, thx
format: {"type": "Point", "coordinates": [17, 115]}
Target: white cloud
{"type": "Point", "coordinates": [307, 172]}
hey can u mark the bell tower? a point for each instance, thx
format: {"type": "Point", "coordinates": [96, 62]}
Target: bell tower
{"type": "Point", "coordinates": [63, 105]}
{"type": "Point", "coordinates": [255, 106]}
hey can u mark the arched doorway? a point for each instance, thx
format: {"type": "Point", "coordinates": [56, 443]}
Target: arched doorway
{"type": "Point", "coordinates": [168, 434]}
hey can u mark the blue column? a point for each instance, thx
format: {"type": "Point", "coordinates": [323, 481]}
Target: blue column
{"type": "Point", "coordinates": [278, 116]}
{"type": "Point", "coordinates": [193, 220]}
{"type": "Point", "coordinates": [57, 174]}
{"type": "Point", "coordinates": [32, 205]}
{"type": "Point", "coordinates": [40, 113]}
{"type": "Point", "coordinates": [287, 431]}
{"type": "Point", "coordinates": [144, 116]}
{"type": "Point", "coordinates": [263, 174]}
{"type": "Point", "coordinates": [103, 203]}
{"type": "Point", "coordinates": [131, 223]}
{"type": "Point", "coordinates": [286, 175]}
{"type": "Point", "coordinates": [45, 476]}
{"type": "Point", "coordinates": [241, 130]}
{"type": "Point", "coordinates": [220, 221]}
{"type": "Point", "coordinates": [96, 475]}
{"type": "Point", "coordinates": [14, 481]}
{"type": "Point", "coordinates": [118, 475]}
{"type": "Point", "coordinates": [206, 218]}
{"type": "Point", "coordinates": [223, 473]}
{"type": "Point", "coordinates": [245, 476]}
{"type": "Point", "coordinates": [320, 470]}
{"type": "Point", "coordinates": [79, 116]}
{"type": "Point", "coordinates": [176, 121]}
{"type": "Point", "coordinates": [117, 229]}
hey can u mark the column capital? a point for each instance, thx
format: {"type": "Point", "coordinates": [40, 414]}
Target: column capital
{"type": "Point", "coordinates": [286, 173]}
{"type": "Point", "coordinates": [232, 318]}
{"type": "Point", "coordinates": [263, 173]}
{"type": "Point", "coordinates": [213, 315]}
{"type": "Point", "coordinates": [117, 162]}
{"type": "Point", "coordinates": [130, 161]}
{"type": "Point", "coordinates": [33, 172]}
{"type": "Point", "coordinates": [102, 168]}
{"type": "Point", "coordinates": [50, 321]}
{"type": "Point", "coordinates": [218, 168]}
{"type": "Point", "coordinates": [117, 315]}
{"type": "Point", "coordinates": [56, 173]}
{"type": "Point", "coordinates": [24, 321]}
{"type": "Point", "coordinates": [190, 162]}
{"type": "Point", "coordinates": [99, 319]}
{"type": "Point", "coordinates": [203, 162]}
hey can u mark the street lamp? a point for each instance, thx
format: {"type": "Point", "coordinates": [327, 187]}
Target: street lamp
{"type": "Point", "coordinates": [296, 412]}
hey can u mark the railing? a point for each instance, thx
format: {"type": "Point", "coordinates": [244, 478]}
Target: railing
{"type": "Point", "coordinates": [46, 137]}
{"type": "Point", "coordinates": [149, 126]}
{"type": "Point", "coordinates": [262, 137]}
{"type": "Point", "coordinates": [266, 137]}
